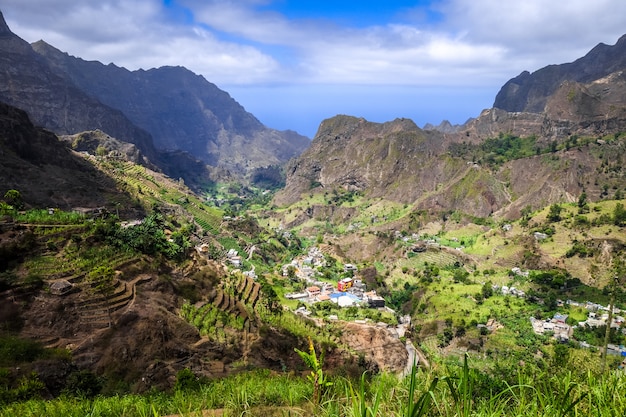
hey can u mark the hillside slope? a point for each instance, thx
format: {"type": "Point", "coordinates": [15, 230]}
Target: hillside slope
{"type": "Point", "coordinates": [181, 110]}
{"type": "Point", "coordinates": [28, 83]}
{"type": "Point", "coordinates": [47, 173]}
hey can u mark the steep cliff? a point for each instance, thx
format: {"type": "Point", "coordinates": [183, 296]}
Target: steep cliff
{"type": "Point", "coordinates": [182, 111]}
{"type": "Point", "coordinates": [27, 82]}
{"type": "Point", "coordinates": [529, 92]}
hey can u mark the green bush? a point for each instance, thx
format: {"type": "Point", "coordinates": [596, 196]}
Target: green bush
{"type": "Point", "coordinates": [83, 383]}
{"type": "Point", "coordinates": [14, 350]}
{"type": "Point", "coordinates": [186, 380]}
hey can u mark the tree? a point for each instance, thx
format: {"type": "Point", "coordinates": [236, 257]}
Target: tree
{"type": "Point", "coordinates": [583, 205]}
{"type": "Point", "coordinates": [14, 198]}
{"type": "Point", "coordinates": [553, 146]}
{"type": "Point", "coordinates": [291, 272]}
{"type": "Point", "coordinates": [487, 289]}
{"type": "Point", "coordinates": [619, 215]}
{"type": "Point", "coordinates": [460, 275]}
{"type": "Point", "coordinates": [270, 297]}
{"type": "Point", "coordinates": [554, 215]}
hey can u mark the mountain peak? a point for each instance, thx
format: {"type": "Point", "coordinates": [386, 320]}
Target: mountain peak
{"type": "Point", "coordinates": [4, 28]}
{"type": "Point", "coordinates": [529, 92]}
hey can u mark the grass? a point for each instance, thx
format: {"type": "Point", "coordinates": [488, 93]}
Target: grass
{"type": "Point", "coordinates": [57, 217]}
{"type": "Point", "coordinates": [237, 394]}
{"type": "Point", "coordinates": [457, 388]}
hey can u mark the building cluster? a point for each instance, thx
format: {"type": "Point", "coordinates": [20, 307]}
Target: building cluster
{"type": "Point", "coordinates": [234, 258]}
{"type": "Point", "coordinates": [506, 290]}
{"type": "Point", "coordinates": [555, 326]}
{"type": "Point", "coordinates": [598, 316]}
{"type": "Point", "coordinates": [346, 292]}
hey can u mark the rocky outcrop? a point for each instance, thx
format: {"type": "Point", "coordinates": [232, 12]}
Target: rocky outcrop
{"type": "Point", "coordinates": [377, 345]}
{"type": "Point", "coordinates": [97, 142]}
{"type": "Point", "coordinates": [492, 122]}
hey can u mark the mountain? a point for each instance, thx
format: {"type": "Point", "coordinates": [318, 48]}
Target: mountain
{"type": "Point", "coordinates": [445, 127]}
{"type": "Point", "coordinates": [181, 110]}
{"type": "Point", "coordinates": [167, 112]}
{"type": "Point", "coordinates": [549, 149]}
{"type": "Point", "coordinates": [47, 173]}
{"type": "Point", "coordinates": [27, 82]}
{"type": "Point", "coordinates": [396, 161]}
{"type": "Point", "coordinates": [530, 92]}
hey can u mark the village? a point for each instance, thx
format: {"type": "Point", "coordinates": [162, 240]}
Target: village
{"type": "Point", "coordinates": [348, 292]}
{"type": "Point", "coordinates": [351, 291]}
{"type": "Point", "coordinates": [598, 316]}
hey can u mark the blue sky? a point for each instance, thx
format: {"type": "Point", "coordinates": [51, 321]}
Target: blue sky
{"type": "Point", "coordinates": [294, 63]}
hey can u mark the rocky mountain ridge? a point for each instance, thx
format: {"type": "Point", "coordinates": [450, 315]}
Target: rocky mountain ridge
{"type": "Point", "coordinates": [28, 83]}
{"type": "Point", "coordinates": [47, 173]}
{"type": "Point", "coordinates": [529, 92]}
{"type": "Point", "coordinates": [404, 164]}
{"type": "Point", "coordinates": [441, 169]}
{"type": "Point", "coordinates": [170, 107]}
{"type": "Point", "coordinates": [181, 110]}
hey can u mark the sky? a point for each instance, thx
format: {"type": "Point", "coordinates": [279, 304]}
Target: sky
{"type": "Point", "coordinates": [294, 63]}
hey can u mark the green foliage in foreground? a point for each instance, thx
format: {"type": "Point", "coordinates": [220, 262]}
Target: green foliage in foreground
{"type": "Point", "coordinates": [454, 390]}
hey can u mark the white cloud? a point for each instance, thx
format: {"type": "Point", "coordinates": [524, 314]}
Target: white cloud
{"type": "Point", "coordinates": [478, 42]}
{"type": "Point", "coordinates": [537, 32]}
{"type": "Point", "coordinates": [137, 35]}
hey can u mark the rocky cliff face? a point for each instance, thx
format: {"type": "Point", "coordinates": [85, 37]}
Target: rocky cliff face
{"type": "Point", "coordinates": [395, 160]}
{"type": "Point", "coordinates": [181, 110]}
{"type": "Point", "coordinates": [592, 109]}
{"type": "Point", "coordinates": [529, 92]}
{"type": "Point", "coordinates": [28, 83]}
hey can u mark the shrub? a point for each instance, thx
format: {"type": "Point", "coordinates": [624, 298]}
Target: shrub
{"type": "Point", "coordinates": [554, 215]}
{"type": "Point", "coordinates": [83, 383]}
{"type": "Point", "coordinates": [186, 380]}
{"type": "Point", "coordinates": [14, 350]}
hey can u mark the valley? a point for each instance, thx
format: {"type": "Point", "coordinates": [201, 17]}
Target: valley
{"type": "Point", "coordinates": [204, 264]}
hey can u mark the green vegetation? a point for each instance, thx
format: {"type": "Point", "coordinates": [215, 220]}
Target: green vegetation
{"type": "Point", "coordinates": [443, 269]}
{"type": "Point", "coordinates": [457, 388]}
{"type": "Point", "coordinates": [496, 151]}
{"type": "Point", "coordinates": [147, 237]}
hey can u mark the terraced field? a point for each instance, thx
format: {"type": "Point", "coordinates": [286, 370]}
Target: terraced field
{"type": "Point", "coordinates": [226, 307]}
{"type": "Point", "coordinates": [439, 258]}
{"type": "Point", "coordinates": [143, 183]}
{"type": "Point", "coordinates": [96, 306]}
